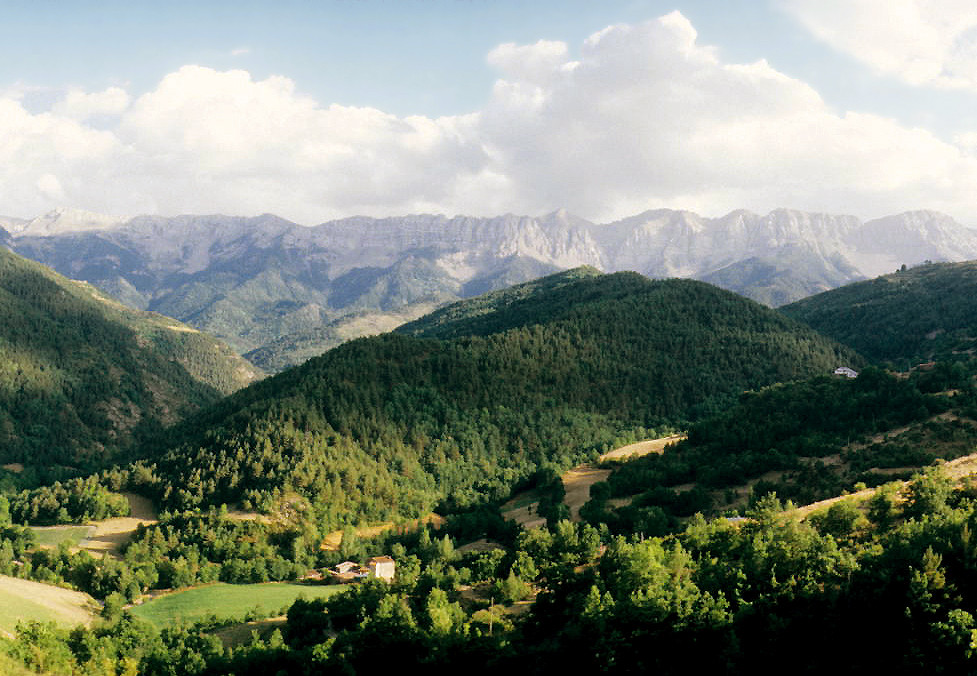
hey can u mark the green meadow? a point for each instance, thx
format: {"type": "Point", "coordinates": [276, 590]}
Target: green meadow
{"type": "Point", "coordinates": [23, 600]}
{"type": "Point", "coordinates": [227, 601]}
{"type": "Point", "coordinates": [52, 536]}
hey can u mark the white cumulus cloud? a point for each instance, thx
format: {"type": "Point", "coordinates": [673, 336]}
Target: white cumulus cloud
{"type": "Point", "coordinates": [648, 117]}
{"type": "Point", "coordinates": [636, 117]}
{"type": "Point", "coordinates": [922, 42]}
{"type": "Point", "coordinates": [78, 105]}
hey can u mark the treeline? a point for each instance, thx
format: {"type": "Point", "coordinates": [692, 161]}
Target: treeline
{"type": "Point", "coordinates": [73, 501]}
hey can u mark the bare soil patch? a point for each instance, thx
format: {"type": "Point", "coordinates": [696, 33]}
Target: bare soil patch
{"type": "Point", "coordinates": [111, 534]}
{"type": "Point", "coordinates": [524, 515]}
{"type": "Point", "coordinates": [642, 448]}
{"type": "Point", "coordinates": [14, 467]}
{"type": "Point", "coordinates": [577, 483]}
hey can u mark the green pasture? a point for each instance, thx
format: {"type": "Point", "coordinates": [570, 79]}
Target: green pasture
{"type": "Point", "coordinates": [227, 601]}
{"type": "Point", "coordinates": [22, 600]}
{"type": "Point", "coordinates": [15, 608]}
{"type": "Point", "coordinates": [52, 536]}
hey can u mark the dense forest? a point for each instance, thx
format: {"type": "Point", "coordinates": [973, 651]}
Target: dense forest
{"type": "Point", "coordinates": [906, 318]}
{"type": "Point", "coordinates": [394, 426]}
{"type": "Point", "coordinates": [806, 441]}
{"type": "Point", "coordinates": [84, 380]}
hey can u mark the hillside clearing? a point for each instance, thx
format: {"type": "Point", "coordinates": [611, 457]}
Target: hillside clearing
{"type": "Point", "coordinates": [641, 448]}
{"type": "Point", "coordinates": [22, 600]}
{"type": "Point", "coordinates": [522, 508]}
{"type": "Point", "coordinates": [111, 534]}
{"type": "Point", "coordinates": [241, 634]}
{"type": "Point", "coordinates": [335, 538]}
{"type": "Point", "coordinates": [957, 469]}
{"type": "Point", "coordinates": [227, 601]}
{"type": "Point", "coordinates": [52, 536]}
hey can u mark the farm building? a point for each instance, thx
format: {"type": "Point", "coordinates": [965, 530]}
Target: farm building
{"type": "Point", "coordinates": [382, 568]}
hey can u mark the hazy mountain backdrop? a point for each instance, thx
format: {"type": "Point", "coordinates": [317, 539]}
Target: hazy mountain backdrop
{"type": "Point", "coordinates": [280, 292]}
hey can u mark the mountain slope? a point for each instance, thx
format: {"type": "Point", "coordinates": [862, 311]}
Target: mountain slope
{"type": "Point", "coordinates": [906, 317]}
{"type": "Point", "coordinates": [83, 378]}
{"type": "Point", "coordinates": [389, 427]}
{"type": "Point", "coordinates": [533, 302]}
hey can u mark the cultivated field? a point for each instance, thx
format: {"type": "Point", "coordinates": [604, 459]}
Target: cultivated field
{"type": "Point", "coordinates": [25, 600]}
{"type": "Point", "coordinates": [227, 601]}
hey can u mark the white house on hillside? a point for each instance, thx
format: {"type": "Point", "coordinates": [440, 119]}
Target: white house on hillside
{"type": "Point", "coordinates": [382, 568]}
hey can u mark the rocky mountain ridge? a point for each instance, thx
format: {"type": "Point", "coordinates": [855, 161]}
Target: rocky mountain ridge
{"type": "Point", "coordinates": [252, 281]}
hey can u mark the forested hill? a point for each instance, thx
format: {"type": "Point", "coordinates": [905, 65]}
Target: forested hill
{"type": "Point", "coordinates": [83, 378]}
{"type": "Point", "coordinates": [534, 302]}
{"type": "Point", "coordinates": [392, 425]}
{"type": "Point", "coordinates": [908, 317]}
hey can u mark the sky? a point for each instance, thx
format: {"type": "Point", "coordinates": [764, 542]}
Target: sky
{"type": "Point", "coordinates": [321, 110]}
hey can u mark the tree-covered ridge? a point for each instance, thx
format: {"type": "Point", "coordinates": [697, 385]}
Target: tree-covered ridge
{"type": "Point", "coordinates": [807, 440]}
{"type": "Point", "coordinates": [532, 302]}
{"type": "Point", "coordinates": [908, 317]}
{"type": "Point", "coordinates": [395, 425]}
{"type": "Point", "coordinates": [83, 379]}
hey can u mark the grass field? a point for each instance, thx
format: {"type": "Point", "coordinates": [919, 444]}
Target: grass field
{"type": "Point", "coordinates": [52, 536]}
{"type": "Point", "coordinates": [26, 600]}
{"type": "Point", "coordinates": [227, 601]}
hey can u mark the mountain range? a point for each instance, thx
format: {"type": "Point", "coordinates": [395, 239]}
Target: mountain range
{"type": "Point", "coordinates": [279, 292]}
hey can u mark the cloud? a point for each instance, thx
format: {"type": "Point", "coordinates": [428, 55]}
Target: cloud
{"type": "Point", "coordinates": [922, 42]}
{"type": "Point", "coordinates": [638, 117]}
{"type": "Point", "coordinates": [648, 117]}
{"type": "Point", "coordinates": [241, 51]}
{"type": "Point", "coordinates": [78, 105]}
{"type": "Point", "coordinates": [48, 158]}
{"type": "Point", "coordinates": [223, 141]}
